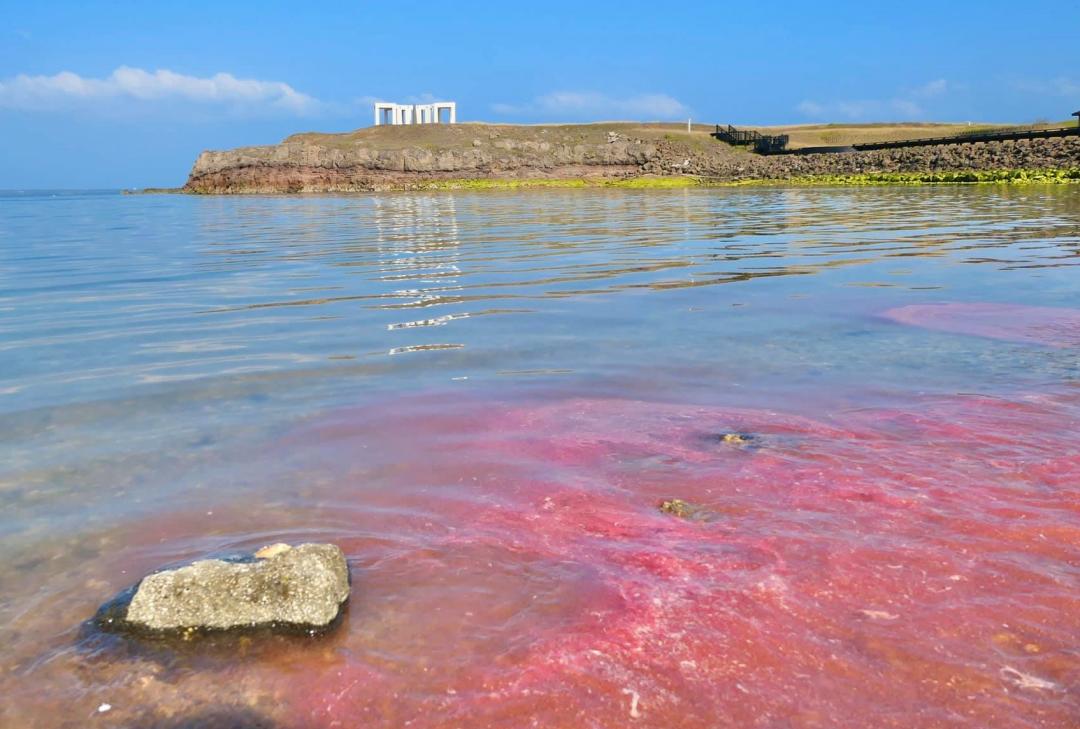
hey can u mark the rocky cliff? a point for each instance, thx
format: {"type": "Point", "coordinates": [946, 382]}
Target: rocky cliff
{"type": "Point", "coordinates": [380, 158]}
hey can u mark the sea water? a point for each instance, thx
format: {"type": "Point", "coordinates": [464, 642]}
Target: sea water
{"type": "Point", "coordinates": [483, 398]}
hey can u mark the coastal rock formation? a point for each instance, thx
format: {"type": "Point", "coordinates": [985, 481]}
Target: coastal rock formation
{"type": "Point", "coordinates": [290, 587]}
{"type": "Point", "coordinates": [388, 157]}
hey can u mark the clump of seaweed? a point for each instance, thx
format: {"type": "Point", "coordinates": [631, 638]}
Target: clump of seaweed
{"type": "Point", "coordinates": [734, 438]}
{"type": "Point", "coordinates": [686, 510]}
{"type": "Point", "coordinates": [678, 507]}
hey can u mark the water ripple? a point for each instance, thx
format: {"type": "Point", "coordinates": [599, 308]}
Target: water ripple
{"type": "Point", "coordinates": [102, 292]}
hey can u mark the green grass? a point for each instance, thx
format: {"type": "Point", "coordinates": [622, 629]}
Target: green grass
{"type": "Point", "coordinates": [1053, 176]}
{"type": "Point", "coordinates": [560, 183]}
{"type": "Point", "coordinates": [657, 182]}
{"type": "Point", "coordinates": [650, 182]}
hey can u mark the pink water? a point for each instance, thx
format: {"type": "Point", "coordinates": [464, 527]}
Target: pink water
{"type": "Point", "coordinates": [897, 545]}
{"type": "Point", "coordinates": [911, 566]}
{"type": "Point", "coordinates": [1046, 325]}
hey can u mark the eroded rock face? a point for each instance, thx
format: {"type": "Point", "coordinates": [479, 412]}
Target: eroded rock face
{"type": "Point", "coordinates": [403, 158]}
{"type": "Point", "coordinates": [291, 587]}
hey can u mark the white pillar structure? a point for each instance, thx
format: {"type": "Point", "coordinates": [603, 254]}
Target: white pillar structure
{"type": "Point", "coordinates": [396, 114]}
{"type": "Point", "coordinates": [448, 105]}
{"type": "Point", "coordinates": [425, 114]}
{"type": "Point", "coordinates": [388, 113]}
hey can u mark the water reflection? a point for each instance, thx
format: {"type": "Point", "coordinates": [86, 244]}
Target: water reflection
{"type": "Point", "coordinates": [170, 289]}
{"type": "Point", "coordinates": [507, 247]}
{"type": "Point", "coordinates": [417, 242]}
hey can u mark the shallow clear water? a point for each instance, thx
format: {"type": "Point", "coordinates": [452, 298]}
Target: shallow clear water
{"type": "Point", "coordinates": [484, 397]}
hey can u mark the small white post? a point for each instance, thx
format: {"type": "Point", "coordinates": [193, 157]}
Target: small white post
{"type": "Point", "coordinates": [688, 129]}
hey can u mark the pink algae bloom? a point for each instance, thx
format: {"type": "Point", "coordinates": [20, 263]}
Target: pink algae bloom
{"type": "Point", "coordinates": [1050, 326]}
{"type": "Point", "coordinates": [892, 564]}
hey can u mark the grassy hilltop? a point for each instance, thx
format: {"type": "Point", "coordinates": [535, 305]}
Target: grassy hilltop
{"type": "Point", "coordinates": [442, 136]}
{"type": "Point", "coordinates": [826, 135]}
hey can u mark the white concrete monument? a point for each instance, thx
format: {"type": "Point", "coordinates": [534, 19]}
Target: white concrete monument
{"type": "Point", "coordinates": [391, 113]}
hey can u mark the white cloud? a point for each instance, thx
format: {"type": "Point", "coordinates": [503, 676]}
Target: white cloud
{"type": "Point", "coordinates": [1059, 86]}
{"type": "Point", "coordinates": [810, 108]}
{"type": "Point", "coordinates": [908, 104]}
{"type": "Point", "coordinates": [593, 105]}
{"type": "Point", "coordinates": [424, 98]}
{"type": "Point", "coordinates": [937, 87]}
{"type": "Point", "coordinates": [67, 89]}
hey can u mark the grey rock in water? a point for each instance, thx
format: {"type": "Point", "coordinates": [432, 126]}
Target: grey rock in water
{"type": "Point", "coordinates": [303, 586]}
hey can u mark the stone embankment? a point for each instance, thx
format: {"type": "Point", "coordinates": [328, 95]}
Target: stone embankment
{"type": "Point", "coordinates": [1027, 154]}
{"type": "Point", "coordinates": [384, 158]}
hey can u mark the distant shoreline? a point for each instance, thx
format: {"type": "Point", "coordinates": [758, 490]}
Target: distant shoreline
{"type": "Point", "coordinates": [154, 191]}
{"type": "Point", "coordinates": [627, 155]}
{"type": "Point", "coordinates": [1053, 176]}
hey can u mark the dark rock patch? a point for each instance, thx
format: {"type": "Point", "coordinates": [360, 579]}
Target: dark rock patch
{"type": "Point", "coordinates": [227, 718]}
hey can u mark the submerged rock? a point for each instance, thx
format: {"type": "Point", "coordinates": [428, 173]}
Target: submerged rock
{"type": "Point", "coordinates": [737, 438]}
{"type": "Point", "coordinates": [686, 510]}
{"type": "Point", "coordinates": [300, 587]}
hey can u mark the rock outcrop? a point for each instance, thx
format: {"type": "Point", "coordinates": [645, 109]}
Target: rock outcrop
{"type": "Point", "coordinates": [302, 587]}
{"type": "Point", "coordinates": [381, 158]}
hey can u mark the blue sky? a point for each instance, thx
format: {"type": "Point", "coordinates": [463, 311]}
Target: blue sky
{"type": "Point", "coordinates": [126, 94]}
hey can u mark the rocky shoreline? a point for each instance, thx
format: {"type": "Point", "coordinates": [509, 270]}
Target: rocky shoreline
{"type": "Point", "coordinates": [404, 158]}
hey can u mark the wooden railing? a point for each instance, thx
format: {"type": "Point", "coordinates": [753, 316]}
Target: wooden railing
{"type": "Point", "coordinates": [762, 143]}
{"type": "Point", "coordinates": [999, 135]}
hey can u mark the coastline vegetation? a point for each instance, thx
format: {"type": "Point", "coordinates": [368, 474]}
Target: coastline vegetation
{"type": "Point", "coordinates": [658, 182]}
{"type": "Point", "coordinates": [1007, 176]}
{"type": "Point", "coordinates": [642, 182]}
